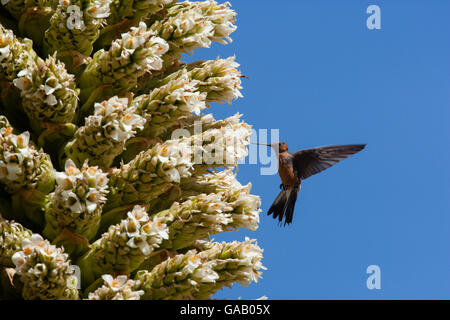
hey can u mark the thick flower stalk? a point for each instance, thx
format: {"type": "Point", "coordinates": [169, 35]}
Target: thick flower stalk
{"type": "Point", "coordinates": [124, 247]}
{"type": "Point", "coordinates": [74, 27]}
{"type": "Point", "coordinates": [116, 71]}
{"type": "Point", "coordinates": [108, 151]}
{"type": "Point", "coordinates": [119, 288]}
{"type": "Point", "coordinates": [200, 272]}
{"type": "Point", "coordinates": [45, 271]}
{"type": "Point", "coordinates": [11, 236]}
{"type": "Point", "coordinates": [104, 134]}
{"type": "Point", "coordinates": [74, 209]}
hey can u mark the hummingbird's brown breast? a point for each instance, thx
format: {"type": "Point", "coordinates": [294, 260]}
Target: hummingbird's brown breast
{"type": "Point", "coordinates": [286, 169]}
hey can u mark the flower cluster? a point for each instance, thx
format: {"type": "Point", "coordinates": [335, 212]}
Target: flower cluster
{"type": "Point", "coordinates": [77, 202]}
{"type": "Point", "coordinates": [45, 271]}
{"type": "Point", "coordinates": [104, 135]}
{"type": "Point", "coordinates": [196, 24]}
{"type": "Point", "coordinates": [124, 246]}
{"type": "Point", "coordinates": [164, 106]}
{"type": "Point", "coordinates": [179, 277]}
{"type": "Point", "coordinates": [203, 215]}
{"type": "Point", "coordinates": [48, 92]}
{"type": "Point", "coordinates": [219, 78]}
{"type": "Point", "coordinates": [75, 30]}
{"type": "Point", "coordinates": [202, 271]}
{"type": "Point", "coordinates": [136, 9]}
{"type": "Point", "coordinates": [117, 70]}
{"type": "Point", "coordinates": [15, 54]}
{"type": "Point", "coordinates": [235, 261]}
{"type": "Point", "coordinates": [11, 236]}
{"type": "Point", "coordinates": [150, 174]}
{"type": "Point", "coordinates": [21, 164]}
{"type": "Point", "coordinates": [223, 143]}
{"type": "Point", "coordinates": [119, 288]}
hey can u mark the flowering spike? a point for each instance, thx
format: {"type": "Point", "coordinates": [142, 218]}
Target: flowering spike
{"type": "Point", "coordinates": [200, 272]}
{"type": "Point", "coordinates": [153, 172]}
{"type": "Point", "coordinates": [75, 26]}
{"type": "Point", "coordinates": [77, 202]}
{"type": "Point", "coordinates": [116, 71]}
{"type": "Point", "coordinates": [45, 271]}
{"type": "Point", "coordinates": [124, 246]}
{"type": "Point", "coordinates": [104, 135]}
{"type": "Point", "coordinates": [48, 92]}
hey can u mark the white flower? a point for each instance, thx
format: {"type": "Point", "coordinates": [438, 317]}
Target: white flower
{"type": "Point", "coordinates": [193, 262]}
{"type": "Point", "coordinates": [51, 85]}
{"type": "Point", "coordinates": [224, 218]}
{"type": "Point", "coordinates": [92, 198]}
{"type": "Point", "coordinates": [99, 9]}
{"type": "Point", "coordinates": [161, 45]}
{"type": "Point", "coordinates": [114, 284]}
{"type": "Point", "coordinates": [4, 52]}
{"type": "Point", "coordinates": [35, 243]}
{"type": "Point", "coordinates": [72, 201]}
{"type": "Point", "coordinates": [51, 100]}
{"type": "Point", "coordinates": [205, 273]}
{"type": "Point", "coordinates": [97, 177]}
{"type": "Point", "coordinates": [23, 82]}
{"type": "Point", "coordinates": [173, 175]}
{"type": "Point", "coordinates": [141, 243]}
{"type": "Point", "coordinates": [19, 259]}
{"type": "Point", "coordinates": [133, 121]}
{"type": "Point", "coordinates": [156, 227]}
{"type": "Point", "coordinates": [132, 226]}
{"type": "Point", "coordinates": [153, 63]}
{"type": "Point", "coordinates": [139, 214]}
{"type": "Point", "coordinates": [71, 169]}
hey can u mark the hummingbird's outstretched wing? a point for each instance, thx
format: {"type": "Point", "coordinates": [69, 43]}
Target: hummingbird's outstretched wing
{"type": "Point", "coordinates": [311, 161]}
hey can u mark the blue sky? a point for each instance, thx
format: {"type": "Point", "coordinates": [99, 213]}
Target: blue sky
{"type": "Point", "coordinates": [320, 76]}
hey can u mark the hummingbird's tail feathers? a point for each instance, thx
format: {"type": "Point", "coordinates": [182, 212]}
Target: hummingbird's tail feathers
{"type": "Point", "coordinates": [278, 205]}
{"type": "Point", "coordinates": [284, 204]}
{"type": "Point", "coordinates": [290, 204]}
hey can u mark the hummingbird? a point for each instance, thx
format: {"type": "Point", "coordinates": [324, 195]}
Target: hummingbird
{"type": "Point", "coordinates": [300, 165]}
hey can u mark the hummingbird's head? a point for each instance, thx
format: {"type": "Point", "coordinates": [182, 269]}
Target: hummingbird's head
{"type": "Point", "coordinates": [282, 147]}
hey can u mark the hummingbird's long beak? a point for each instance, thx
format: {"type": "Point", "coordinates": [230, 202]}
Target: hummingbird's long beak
{"type": "Point", "coordinates": [261, 144]}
